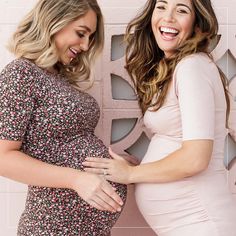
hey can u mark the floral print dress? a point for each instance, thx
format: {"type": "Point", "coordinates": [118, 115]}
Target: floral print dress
{"type": "Point", "coordinates": [55, 123]}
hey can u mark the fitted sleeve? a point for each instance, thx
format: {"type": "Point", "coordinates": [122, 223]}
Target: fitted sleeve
{"type": "Point", "coordinates": [195, 92]}
{"type": "Point", "coordinates": [16, 100]}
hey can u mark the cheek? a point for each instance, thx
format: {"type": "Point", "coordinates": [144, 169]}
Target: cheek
{"type": "Point", "coordinates": [154, 24]}
{"type": "Point", "coordinates": [72, 39]}
{"type": "Point", "coordinates": [153, 20]}
{"type": "Point", "coordinates": [58, 39]}
{"type": "Point", "coordinates": [188, 28]}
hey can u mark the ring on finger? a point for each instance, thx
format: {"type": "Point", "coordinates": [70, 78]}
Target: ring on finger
{"type": "Point", "coordinates": [104, 172]}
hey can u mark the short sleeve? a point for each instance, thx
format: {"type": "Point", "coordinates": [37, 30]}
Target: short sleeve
{"type": "Point", "coordinates": [16, 100]}
{"type": "Point", "coordinates": [195, 93]}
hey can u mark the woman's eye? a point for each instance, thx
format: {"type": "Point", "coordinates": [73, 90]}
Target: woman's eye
{"type": "Point", "coordinates": [81, 35]}
{"type": "Point", "coordinates": [161, 7]}
{"type": "Point", "coordinates": [183, 11]}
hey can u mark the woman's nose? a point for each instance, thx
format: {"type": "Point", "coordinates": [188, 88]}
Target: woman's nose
{"type": "Point", "coordinates": [169, 16]}
{"type": "Point", "coordinates": [84, 45]}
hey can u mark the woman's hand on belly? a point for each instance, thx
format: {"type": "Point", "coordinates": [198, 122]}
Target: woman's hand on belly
{"type": "Point", "coordinates": [96, 191]}
{"type": "Point", "coordinates": [116, 170]}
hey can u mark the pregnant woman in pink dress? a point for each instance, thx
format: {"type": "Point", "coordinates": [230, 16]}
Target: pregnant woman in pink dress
{"type": "Point", "coordinates": [181, 186]}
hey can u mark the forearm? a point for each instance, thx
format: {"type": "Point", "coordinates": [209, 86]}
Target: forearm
{"type": "Point", "coordinates": [164, 170]}
{"type": "Point", "coordinates": [25, 169]}
{"type": "Point", "coordinates": [180, 164]}
{"type": "Point", "coordinates": [91, 188]}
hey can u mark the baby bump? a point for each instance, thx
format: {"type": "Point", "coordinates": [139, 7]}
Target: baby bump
{"type": "Point", "coordinates": [61, 204]}
{"type": "Point", "coordinates": [73, 153]}
{"type": "Point", "coordinates": [168, 205]}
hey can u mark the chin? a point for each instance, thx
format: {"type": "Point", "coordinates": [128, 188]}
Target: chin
{"type": "Point", "coordinates": [65, 62]}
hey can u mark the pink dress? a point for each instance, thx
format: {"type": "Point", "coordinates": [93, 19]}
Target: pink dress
{"type": "Point", "coordinates": [200, 205]}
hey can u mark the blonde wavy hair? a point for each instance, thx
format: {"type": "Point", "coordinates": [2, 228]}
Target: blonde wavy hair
{"type": "Point", "coordinates": [34, 37]}
{"type": "Point", "coordinates": [150, 71]}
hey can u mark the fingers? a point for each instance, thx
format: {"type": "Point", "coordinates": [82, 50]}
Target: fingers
{"type": "Point", "coordinates": [98, 160]}
{"type": "Point", "coordinates": [109, 191]}
{"type": "Point", "coordinates": [100, 203]}
{"type": "Point", "coordinates": [95, 205]}
{"type": "Point", "coordinates": [107, 202]}
{"type": "Point", "coordinates": [99, 163]}
{"type": "Point", "coordinates": [106, 198]}
{"type": "Point", "coordinates": [99, 171]}
{"type": "Point", "coordinates": [95, 190]}
{"type": "Point", "coordinates": [98, 166]}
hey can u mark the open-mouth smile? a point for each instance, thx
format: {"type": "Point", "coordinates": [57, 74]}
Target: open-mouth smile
{"type": "Point", "coordinates": [168, 32]}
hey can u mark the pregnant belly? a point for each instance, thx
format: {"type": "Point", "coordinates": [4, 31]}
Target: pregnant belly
{"type": "Point", "coordinates": [72, 153]}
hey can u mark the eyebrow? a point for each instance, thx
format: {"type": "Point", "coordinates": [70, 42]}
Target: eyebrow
{"type": "Point", "coordinates": [86, 28]}
{"type": "Point", "coordinates": [161, 1]}
{"type": "Point", "coordinates": [184, 5]}
{"type": "Point", "coordinates": [179, 4]}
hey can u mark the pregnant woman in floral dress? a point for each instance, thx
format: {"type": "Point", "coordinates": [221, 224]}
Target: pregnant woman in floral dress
{"type": "Point", "coordinates": [47, 124]}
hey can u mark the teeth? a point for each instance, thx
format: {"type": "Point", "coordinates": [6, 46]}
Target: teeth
{"type": "Point", "coordinates": [169, 30]}
{"type": "Point", "coordinates": [73, 50]}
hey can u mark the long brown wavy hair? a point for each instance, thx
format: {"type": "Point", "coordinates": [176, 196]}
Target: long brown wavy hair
{"type": "Point", "coordinates": [34, 36]}
{"type": "Point", "coordinates": [149, 70]}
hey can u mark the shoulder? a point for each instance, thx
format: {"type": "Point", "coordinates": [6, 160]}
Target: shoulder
{"type": "Point", "coordinates": [19, 65]}
{"type": "Point", "coordinates": [197, 66]}
{"type": "Point", "coordinates": [19, 70]}
{"type": "Point", "coordinates": [196, 62]}
{"type": "Point", "coordinates": [19, 75]}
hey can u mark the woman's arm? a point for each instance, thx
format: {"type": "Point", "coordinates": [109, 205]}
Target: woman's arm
{"type": "Point", "coordinates": [20, 167]}
{"type": "Point", "coordinates": [192, 158]}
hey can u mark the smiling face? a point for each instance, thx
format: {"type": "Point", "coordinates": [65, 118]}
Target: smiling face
{"type": "Point", "coordinates": [75, 37]}
{"type": "Point", "coordinates": [172, 23]}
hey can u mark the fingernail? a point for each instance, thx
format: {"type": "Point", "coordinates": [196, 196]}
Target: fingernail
{"type": "Point", "coordinates": [118, 209]}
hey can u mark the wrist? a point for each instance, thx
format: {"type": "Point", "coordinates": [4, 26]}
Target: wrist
{"type": "Point", "coordinates": [131, 175]}
{"type": "Point", "coordinates": [73, 177]}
